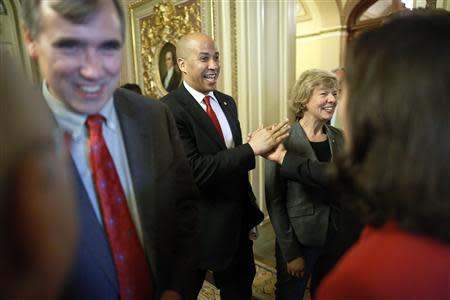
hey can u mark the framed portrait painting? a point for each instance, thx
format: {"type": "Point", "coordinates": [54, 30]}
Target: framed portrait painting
{"type": "Point", "coordinates": [156, 26]}
{"type": "Point", "coordinates": [169, 73]}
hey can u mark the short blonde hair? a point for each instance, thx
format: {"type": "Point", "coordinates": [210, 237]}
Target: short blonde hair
{"type": "Point", "coordinates": [304, 87]}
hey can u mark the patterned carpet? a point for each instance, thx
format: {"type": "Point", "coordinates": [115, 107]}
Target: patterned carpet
{"type": "Point", "coordinates": [263, 285]}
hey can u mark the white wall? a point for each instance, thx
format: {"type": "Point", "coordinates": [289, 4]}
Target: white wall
{"type": "Point", "coordinates": [265, 69]}
{"type": "Point", "coordinates": [320, 36]}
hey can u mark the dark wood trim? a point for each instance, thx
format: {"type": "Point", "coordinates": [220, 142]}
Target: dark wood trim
{"type": "Point", "coordinates": [353, 26]}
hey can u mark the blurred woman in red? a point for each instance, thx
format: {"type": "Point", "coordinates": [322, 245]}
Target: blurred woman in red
{"type": "Point", "coordinates": [395, 110]}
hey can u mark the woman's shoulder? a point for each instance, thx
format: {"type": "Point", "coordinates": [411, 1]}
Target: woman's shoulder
{"type": "Point", "coordinates": [398, 244]}
{"type": "Point", "coordinates": [389, 256]}
{"type": "Point", "coordinates": [297, 138]}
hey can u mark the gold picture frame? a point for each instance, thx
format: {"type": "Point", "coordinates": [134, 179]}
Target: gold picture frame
{"type": "Point", "coordinates": [156, 26]}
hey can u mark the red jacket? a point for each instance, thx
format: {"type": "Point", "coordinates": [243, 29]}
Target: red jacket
{"type": "Point", "coordinates": [389, 263]}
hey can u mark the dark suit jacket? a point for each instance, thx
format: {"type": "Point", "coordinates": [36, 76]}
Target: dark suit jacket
{"type": "Point", "coordinates": [166, 197]}
{"type": "Point", "coordinates": [299, 212]}
{"type": "Point", "coordinates": [227, 205]}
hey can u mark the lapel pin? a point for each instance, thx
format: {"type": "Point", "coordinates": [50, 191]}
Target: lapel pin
{"type": "Point", "coordinates": [225, 103]}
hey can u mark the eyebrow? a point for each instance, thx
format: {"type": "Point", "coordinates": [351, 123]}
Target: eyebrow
{"type": "Point", "coordinates": [112, 43]}
{"type": "Point", "coordinates": [115, 43]}
{"type": "Point", "coordinates": [207, 53]}
{"type": "Point", "coordinates": [67, 42]}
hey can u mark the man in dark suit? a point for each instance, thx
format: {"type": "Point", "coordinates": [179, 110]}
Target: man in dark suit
{"type": "Point", "coordinates": [210, 131]}
{"type": "Point", "coordinates": [136, 196]}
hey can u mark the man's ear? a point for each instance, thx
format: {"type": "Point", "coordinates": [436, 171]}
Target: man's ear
{"type": "Point", "coordinates": [30, 43]}
{"type": "Point", "coordinates": [181, 64]}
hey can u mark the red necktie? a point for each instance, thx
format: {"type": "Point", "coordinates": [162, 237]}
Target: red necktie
{"type": "Point", "coordinates": [212, 115]}
{"type": "Point", "coordinates": [135, 280]}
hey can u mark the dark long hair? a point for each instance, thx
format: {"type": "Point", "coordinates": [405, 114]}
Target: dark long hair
{"type": "Point", "coordinates": [397, 163]}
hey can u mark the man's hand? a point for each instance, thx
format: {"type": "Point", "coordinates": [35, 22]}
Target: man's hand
{"type": "Point", "coordinates": [265, 139]}
{"type": "Point", "coordinates": [170, 295]}
{"type": "Point", "coordinates": [296, 267]}
{"type": "Point", "coordinates": [277, 154]}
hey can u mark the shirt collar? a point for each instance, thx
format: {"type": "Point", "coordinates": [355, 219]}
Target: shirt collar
{"type": "Point", "coordinates": [74, 122]}
{"type": "Point", "coordinates": [197, 95]}
{"type": "Point", "coordinates": [170, 71]}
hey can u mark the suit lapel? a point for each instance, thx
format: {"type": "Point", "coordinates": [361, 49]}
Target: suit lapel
{"type": "Point", "coordinates": [233, 122]}
{"type": "Point", "coordinates": [199, 116]}
{"type": "Point", "coordinates": [335, 141]}
{"type": "Point", "coordinates": [298, 141]}
{"type": "Point", "coordinates": [137, 137]}
{"type": "Point", "coordinates": [137, 140]}
{"type": "Point", "coordinates": [92, 235]}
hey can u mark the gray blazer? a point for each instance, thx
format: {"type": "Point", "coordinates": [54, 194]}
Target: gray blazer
{"type": "Point", "coordinates": [299, 213]}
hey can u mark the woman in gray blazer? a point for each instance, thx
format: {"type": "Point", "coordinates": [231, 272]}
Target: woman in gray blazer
{"type": "Point", "coordinates": [304, 216]}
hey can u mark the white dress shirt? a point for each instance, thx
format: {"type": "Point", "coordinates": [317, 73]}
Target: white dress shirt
{"type": "Point", "coordinates": [75, 124]}
{"type": "Point", "coordinates": [226, 130]}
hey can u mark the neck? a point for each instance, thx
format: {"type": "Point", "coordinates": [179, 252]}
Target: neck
{"type": "Point", "coordinates": [313, 128]}
{"type": "Point", "coordinates": [191, 86]}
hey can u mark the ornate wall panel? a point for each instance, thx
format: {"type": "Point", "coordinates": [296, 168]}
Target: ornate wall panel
{"type": "Point", "coordinates": [156, 26]}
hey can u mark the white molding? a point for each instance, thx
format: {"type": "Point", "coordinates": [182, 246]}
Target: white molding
{"type": "Point", "coordinates": [266, 69]}
{"type": "Point", "coordinates": [223, 38]}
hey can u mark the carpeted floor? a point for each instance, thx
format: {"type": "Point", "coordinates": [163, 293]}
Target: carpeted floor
{"type": "Point", "coordinates": [263, 285]}
{"type": "Point", "coordinates": [264, 282]}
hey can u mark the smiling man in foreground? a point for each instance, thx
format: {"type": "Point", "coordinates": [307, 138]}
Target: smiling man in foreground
{"type": "Point", "coordinates": [135, 191]}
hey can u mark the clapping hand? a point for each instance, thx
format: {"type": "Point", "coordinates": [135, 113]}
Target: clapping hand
{"type": "Point", "coordinates": [265, 139]}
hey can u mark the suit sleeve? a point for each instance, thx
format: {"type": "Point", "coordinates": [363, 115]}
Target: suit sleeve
{"type": "Point", "coordinates": [276, 205]}
{"type": "Point", "coordinates": [306, 171]}
{"type": "Point", "coordinates": [211, 168]}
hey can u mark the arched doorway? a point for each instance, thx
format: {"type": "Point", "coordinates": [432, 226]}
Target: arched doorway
{"type": "Point", "coordinates": [371, 13]}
